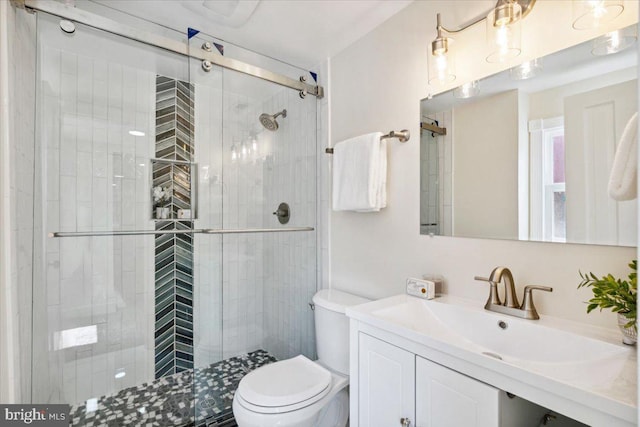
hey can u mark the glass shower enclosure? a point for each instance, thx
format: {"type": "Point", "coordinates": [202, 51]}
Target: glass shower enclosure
{"type": "Point", "coordinates": [162, 275]}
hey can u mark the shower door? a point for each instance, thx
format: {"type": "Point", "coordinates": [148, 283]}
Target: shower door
{"type": "Point", "coordinates": [112, 299]}
{"type": "Point", "coordinates": [267, 274]}
{"type": "Point", "coordinates": [162, 275]}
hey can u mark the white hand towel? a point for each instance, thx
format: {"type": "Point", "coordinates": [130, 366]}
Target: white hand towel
{"type": "Point", "coordinates": [381, 179]}
{"type": "Point", "coordinates": [358, 172]}
{"type": "Point", "coordinates": [624, 173]}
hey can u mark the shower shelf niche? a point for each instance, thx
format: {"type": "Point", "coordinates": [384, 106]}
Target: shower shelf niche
{"type": "Point", "coordinates": [176, 178]}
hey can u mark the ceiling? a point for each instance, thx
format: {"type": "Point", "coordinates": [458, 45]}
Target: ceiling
{"type": "Point", "coordinates": [300, 32]}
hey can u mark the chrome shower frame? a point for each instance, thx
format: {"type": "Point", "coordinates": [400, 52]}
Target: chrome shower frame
{"type": "Point", "coordinates": [211, 58]}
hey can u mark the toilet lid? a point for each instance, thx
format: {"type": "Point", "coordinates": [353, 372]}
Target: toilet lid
{"type": "Point", "coordinates": [284, 383]}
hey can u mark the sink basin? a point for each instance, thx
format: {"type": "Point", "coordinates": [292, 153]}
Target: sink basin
{"type": "Point", "coordinates": [557, 349]}
{"type": "Point", "coordinates": [500, 336]}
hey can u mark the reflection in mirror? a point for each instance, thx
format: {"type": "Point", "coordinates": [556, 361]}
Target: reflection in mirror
{"type": "Point", "coordinates": [530, 159]}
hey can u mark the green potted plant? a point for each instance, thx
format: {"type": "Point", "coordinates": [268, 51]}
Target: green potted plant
{"type": "Point", "coordinates": [618, 295]}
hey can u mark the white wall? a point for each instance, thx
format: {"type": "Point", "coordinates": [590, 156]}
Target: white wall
{"type": "Point", "coordinates": [377, 84]}
{"type": "Point", "coordinates": [485, 158]}
{"type": "Point", "coordinates": [550, 103]}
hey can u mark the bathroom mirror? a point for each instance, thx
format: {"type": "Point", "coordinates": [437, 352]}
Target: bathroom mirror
{"type": "Point", "coordinates": [530, 159]}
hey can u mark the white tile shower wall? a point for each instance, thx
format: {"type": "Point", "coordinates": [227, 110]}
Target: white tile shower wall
{"type": "Point", "coordinates": [290, 258]}
{"type": "Point", "coordinates": [235, 327]}
{"type": "Point", "coordinates": [22, 70]}
{"type": "Point", "coordinates": [243, 203]}
{"type": "Point", "coordinates": [266, 280]}
{"type": "Point", "coordinates": [207, 254]}
{"type": "Point", "coordinates": [95, 177]}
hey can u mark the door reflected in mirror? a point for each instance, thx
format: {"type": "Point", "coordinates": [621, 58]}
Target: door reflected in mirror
{"type": "Point", "coordinates": [531, 159]}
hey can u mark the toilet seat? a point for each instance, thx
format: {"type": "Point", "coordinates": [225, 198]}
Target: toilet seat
{"type": "Point", "coordinates": [284, 386]}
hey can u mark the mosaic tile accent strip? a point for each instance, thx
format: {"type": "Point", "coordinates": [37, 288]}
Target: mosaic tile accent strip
{"type": "Point", "coordinates": [174, 253]}
{"type": "Point", "coordinates": [199, 398]}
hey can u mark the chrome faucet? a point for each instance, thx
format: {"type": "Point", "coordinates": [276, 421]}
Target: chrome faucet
{"type": "Point", "coordinates": [510, 306]}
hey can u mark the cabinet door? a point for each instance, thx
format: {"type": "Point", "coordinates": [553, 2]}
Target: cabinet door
{"type": "Point", "coordinates": [386, 383]}
{"type": "Point", "coordinates": [446, 398]}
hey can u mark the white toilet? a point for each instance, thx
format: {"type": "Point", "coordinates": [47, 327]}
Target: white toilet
{"type": "Point", "coordinates": [300, 392]}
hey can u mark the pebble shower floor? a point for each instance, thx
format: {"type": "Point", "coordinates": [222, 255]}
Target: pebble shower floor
{"type": "Point", "coordinates": [199, 397]}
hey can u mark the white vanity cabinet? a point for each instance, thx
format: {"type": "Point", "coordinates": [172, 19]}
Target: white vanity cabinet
{"type": "Point", "coordinates": [386, 383]}
{"type": "Point", "coordinates": [395, 385]}
{"type": "Point", "coordinates": [446, 398]}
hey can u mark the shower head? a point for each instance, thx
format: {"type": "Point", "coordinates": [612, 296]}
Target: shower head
{"type": "Point", "coordinates": [269, 121]}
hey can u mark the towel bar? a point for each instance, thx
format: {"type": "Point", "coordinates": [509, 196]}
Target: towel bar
{"type": "Point", "coordinates": [403, 136]}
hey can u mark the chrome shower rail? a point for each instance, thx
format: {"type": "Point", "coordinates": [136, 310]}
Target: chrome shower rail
{"type": "Point", "coordinates": [95, 21]}
{"type": "Point", "coordinates": [190, 231]}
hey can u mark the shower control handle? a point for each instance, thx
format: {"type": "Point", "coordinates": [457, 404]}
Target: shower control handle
{"type": "Point", "coordinates": [405, 422]}
{"type": "Point", "coordinates": [283, 213]}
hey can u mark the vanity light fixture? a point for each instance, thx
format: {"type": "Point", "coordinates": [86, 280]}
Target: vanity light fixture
{"type": "Point", "coordinates": [526, 70]}
{"type": "Point", "coordinates": [504, 24]}
{"type": "Point", "coordinates": [503, 35]}
{"type": "Point", "coordinates": [442, 60]}
{"type": "Point", "coordinates": [467, 90]}
{"type": "Point", "coordinates": [589, 14]}
{"type": "Point", "coordinates": [614, 41]}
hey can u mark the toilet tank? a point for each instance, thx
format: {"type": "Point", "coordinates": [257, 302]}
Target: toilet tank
{"type": "Point", "coordinates": [332, 327]}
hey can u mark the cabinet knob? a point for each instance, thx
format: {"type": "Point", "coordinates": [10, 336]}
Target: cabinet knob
{"type": "Point", "coordinates": [405, 422]}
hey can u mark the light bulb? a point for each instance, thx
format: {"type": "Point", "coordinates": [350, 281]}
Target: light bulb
{"type": "Point", "coordinates": [254, 144]}
{"type": "Point", "coordinates": [441, 65]}
{"type": "Point", "coordinates": [597, 8]}
{"type": "Point", "coordinates": [502, 37]}
{"type": "Point", "coordinates": [504, 32]}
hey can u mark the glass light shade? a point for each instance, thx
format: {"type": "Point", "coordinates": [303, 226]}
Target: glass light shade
{"type": "Point", "coordinates": [526, 70]}
{"type": "Point", "coordinates": [504, 27]}
{"type": "Point", "coordinates": [589, 14]}
{"type": "Point", "coordinates": [615, 41]}
{"type": "Point", "coordinates": [442, 67]}
{"type": "Point", "coordinates": [467, 90]}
